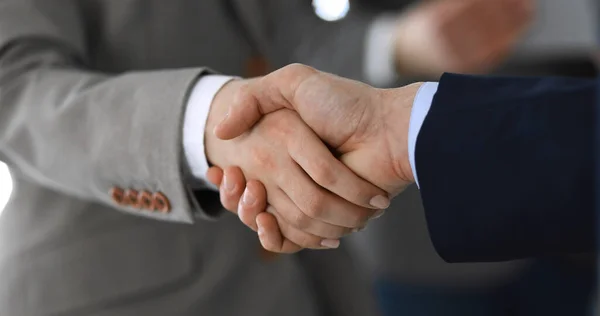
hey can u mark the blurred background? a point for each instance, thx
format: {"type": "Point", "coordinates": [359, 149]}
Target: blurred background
{"type": "Point", "coordinates": [406, 276]}
{"type": "Point", "coordinates": [5, 186]}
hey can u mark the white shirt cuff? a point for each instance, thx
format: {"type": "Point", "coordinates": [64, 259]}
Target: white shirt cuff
{"type": "Point", "coordinates": [194, 124]}
{"type": "Point", "coordinates": [380, 63]}
{"type": "Point", "coordinates": [421, 106]}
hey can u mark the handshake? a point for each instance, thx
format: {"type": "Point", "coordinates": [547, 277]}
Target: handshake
{"type": "Point", "coordinates": [305, 157]}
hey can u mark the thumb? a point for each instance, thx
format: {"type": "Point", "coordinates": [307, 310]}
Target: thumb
{"type": "Point", "coordinates": [261, 96]}
{"type": "Point", "coordinates": [243, 113]}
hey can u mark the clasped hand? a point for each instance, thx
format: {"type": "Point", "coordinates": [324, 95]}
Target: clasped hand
{"type": "Point", "coordinates": [322, 155]}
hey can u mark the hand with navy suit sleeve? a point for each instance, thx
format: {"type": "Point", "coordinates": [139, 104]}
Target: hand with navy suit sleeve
{"type": "Point", "coordinates": [523, 144]}
{"type": "Point", "coordinates": [524, 149]}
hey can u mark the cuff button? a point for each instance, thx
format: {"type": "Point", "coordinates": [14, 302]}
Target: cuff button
{"type": "Point", "coordinates": [145, 200]}
{"type": "Point", "coordinates": [131, 198]}
{"type": "Point", "coordinates": [161, 203]}
{"type": "Point", "coordinates": [118, 195]}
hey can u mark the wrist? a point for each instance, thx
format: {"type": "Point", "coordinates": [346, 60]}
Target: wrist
{"type": "Point", "coordinates": [397, 105]}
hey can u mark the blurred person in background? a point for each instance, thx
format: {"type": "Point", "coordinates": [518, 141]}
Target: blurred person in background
{"type": "Point", "coordinates": [103, 113]}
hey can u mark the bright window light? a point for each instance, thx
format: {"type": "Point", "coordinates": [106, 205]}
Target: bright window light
{"type": "Point", "coordinates": [5, 186]}
{"type": "Point", "coordinates": [331, 10]}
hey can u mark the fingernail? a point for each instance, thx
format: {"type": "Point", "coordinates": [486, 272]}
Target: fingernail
{"type": "Point", "coordinates": [378, 214]}
{"type": "Point", "coordinates": [330, 243]}
{"type": "Point", "coordinates": [228, 184]}
{"type": "Point", "coordinates": [248, 198]}
{"type": "Point", "coordinates": [380, 202]}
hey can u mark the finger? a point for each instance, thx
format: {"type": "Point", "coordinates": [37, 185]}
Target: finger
{"type": "Point", "coordinates": [323, 168]}
{"type": "Point", "coordinates": [270, 236]}
{"type": "Point", "coordinates": [295, 217]}
{"type": "Point", "coordinates": [278, 236]}
{"type": "Point", "coordinates": [215, 176]}
{"type": "Point", "coordinates": [301, 238]}
{"type": "Point", "coordinates": [243, 113]}
{"type": "Point", "coordinates": [232, 188]}
{"type": "Point", "coordinates": [252, 203]}
{"type": "Point", "coordinates": [276, 91]}
{"type": "Point", "coordinates": [318, 204]}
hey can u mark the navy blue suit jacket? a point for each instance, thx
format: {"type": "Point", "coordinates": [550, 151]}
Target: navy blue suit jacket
{"type": "Point", "coordinates": [505, 167]}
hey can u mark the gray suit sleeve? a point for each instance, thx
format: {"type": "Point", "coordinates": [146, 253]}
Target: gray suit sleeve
{"type": "Point", "coordinates": [82, 132]}
{"type": "Point", "coordinates": [297, 34]}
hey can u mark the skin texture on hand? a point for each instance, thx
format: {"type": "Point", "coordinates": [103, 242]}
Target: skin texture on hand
{"type": "Point", "coordinates": [462, 36]}
{"type": "Point", "coordinates": [366, 127]}
{"type": "Point", "coordinates": [314, 198]}
{"type": "Point", "coordinates": [354, 119]}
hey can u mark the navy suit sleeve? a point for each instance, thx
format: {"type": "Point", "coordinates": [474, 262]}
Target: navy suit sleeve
{"type": "Point", "coordinates": [505, 167]}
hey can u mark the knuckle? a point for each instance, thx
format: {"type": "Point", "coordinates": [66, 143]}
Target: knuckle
{"type": "Point", "coordinates": [297, 69]}
{"type": "Point", "coordinates": [315, 205]}
{"type": "Point", "coordinates": [243, 94]}
{"type": "Point", "coordinates": [301, 221]}
{"type": "Point", "coordinates": [262, 158]}
{"type": "Point", "coordinates": [293, 73]}
{"type": "Point", "coordinates": [323, 172]}
{"type": "Point", "coordinates": [314, 212]}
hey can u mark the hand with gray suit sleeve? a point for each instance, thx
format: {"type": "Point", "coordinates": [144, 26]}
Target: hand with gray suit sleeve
{"type": "Point", "coordinates": [113, 138]}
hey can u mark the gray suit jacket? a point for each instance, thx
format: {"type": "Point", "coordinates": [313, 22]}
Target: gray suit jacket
{"type": "Point", "coordinates": [92, 95]}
